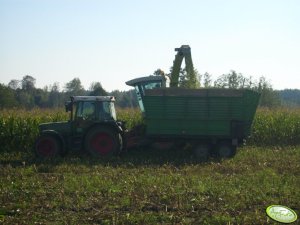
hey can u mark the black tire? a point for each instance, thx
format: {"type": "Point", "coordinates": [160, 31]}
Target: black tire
{"type": "Point", "coordinates": [102, 142]}
{"type": "Point", "coordinates": [226, 150]}
{"type": "Point", "coordinates": [162, 146]}
{"type": "Point", "coordinates": [201, 152]}
{"type": "Point", "coordinates": [47, 146]}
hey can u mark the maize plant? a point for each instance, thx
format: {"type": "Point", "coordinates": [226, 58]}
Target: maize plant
{"type": "Point", "coordinates": [276, 127]}
{"type": "Point", "coordinates": [19, 128]}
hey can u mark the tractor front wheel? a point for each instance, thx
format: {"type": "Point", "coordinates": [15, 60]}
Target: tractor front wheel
{"type": "Point", "coordinates": [47, 146]}
{"type": "Point", "coordinates": [102, 142]}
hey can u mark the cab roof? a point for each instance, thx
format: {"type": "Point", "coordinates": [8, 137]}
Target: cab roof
{"type": "Point", "coordinates": [144, 79]}
{"type": "Point", "coordinates": [93, 98]}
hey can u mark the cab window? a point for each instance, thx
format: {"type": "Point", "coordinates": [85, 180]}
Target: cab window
{"type": "Point", "coordinates": [139, 98]}
{"type": "Point", "coordinates": [105, 112]}
{"type": "Point", "coordinates": [86, 110]}
{"type": "Point", "coordinates": [152, 85]}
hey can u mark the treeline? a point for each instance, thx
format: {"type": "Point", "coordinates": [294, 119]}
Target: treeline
{"type": "Point", "coordinates": [24, 94]}
{"type": "Point", "coordinates": [269, 97]}
{"type": "Point", "coordinates": [290, 97]}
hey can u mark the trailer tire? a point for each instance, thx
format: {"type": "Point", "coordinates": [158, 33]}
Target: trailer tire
{"type": "Point", "coordinates": [201, 152]}
{"type": "Point", "coordinates": [163, 146]}
{"type": "Point", "coordinates": [47, 146]}
{"type": "Point", "coordinates": [226, 150]}
{"type": "Point", "coordinates": [102, 142]}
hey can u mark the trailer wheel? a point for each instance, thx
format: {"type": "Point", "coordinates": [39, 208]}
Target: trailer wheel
{"type": "Point", "coordinates": [201, 152]}
{"type": "Point", "coordinates": [163, 146]}
{"type": "Point", "coordinates": [102, 141]}
{"type": "Point", "coordinates": [47, 146]}
{"type": "Point", "coordinates": [226, 150]}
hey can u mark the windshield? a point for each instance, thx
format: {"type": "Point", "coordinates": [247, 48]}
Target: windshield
{"type": "Point", "coordinates": [139, 98]}
{"type": "Point", "coordinates": [91, 110]}
{"type": "Point", "coordinates": [152, 85]}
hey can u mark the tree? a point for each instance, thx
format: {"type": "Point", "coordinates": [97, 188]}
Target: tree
{"type": "Point", "coordinates": [125, 99]}
{"type": "Point", "coordinates": [234, 80]}
{"type": "Point", "coordinates": [7, 97]}
{"type": "Point", "coordinates": [188, 80]}
{"type": "Point", "coordinates": [14, 84]}
{"type": "Point", "coordinates": [96, 89]}
{"type": "Point", "coordinates": [290, 97]}
{"type": "Point", "coordinates": [249, 82]}
{"type": "Point", "coordinates": [55, 98]}
{"type": "Point", "coordinates": [230, 80]}
{"type": "Point", "coordinates": [192, 80]}
{"type": "Point", "coordinates": [28, 83]}
{"type": "Point", "coordinates": [74, 87]}
{"type": "Point", "coordinates": [207, 81]}
{"type": "Point", "coordinates": [41, 97]}
{"type": "Point", "coordinates": [268, 98]}
{"type": "Point", "coordinates": [24, 98]}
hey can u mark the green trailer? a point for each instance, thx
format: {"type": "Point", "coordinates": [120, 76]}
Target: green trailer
{"type": "Point", "coordinates": [214, 121]}
{"type": "Point", "coordinates": [200, 113]}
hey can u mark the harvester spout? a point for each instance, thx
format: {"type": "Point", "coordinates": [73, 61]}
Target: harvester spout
{"type": "Point", "coordinates": [183, 52]}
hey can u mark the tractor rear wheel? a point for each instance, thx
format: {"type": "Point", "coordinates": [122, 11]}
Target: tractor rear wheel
{"type": "Point", "coordinates": [47, 146]}
{"type": "Point", "coordinates": [102, 142]}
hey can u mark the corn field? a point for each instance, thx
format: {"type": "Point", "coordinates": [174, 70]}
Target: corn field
{"type": "Point", "coordinates": [19, 128]}
{"type": "Point", "coordinates": [276, 127]}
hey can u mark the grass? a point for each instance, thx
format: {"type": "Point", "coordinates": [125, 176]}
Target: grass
{"type": "Point", "coordinates": [149, 187]}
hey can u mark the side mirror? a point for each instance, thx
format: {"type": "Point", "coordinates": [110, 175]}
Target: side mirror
{"type": "Point", "coordinates": [68, 106]}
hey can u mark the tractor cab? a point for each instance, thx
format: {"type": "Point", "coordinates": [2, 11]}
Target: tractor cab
{"type": "Point", "coordinates": [145, 83]}
{"type": "Point", "coordinates": [91, 108]}
{"type": "Point", "coordinates": [92, 126]}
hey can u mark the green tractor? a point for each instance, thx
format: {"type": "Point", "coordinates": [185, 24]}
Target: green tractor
{"type": "Point", "coordinates": [92, 126]}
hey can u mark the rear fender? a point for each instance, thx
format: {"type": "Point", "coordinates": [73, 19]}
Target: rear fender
{"type": "Point", "coordinates": [111, 125]}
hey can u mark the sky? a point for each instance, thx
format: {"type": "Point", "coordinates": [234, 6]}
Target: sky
{"type": "Point", "coordinates": [114, 41]}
